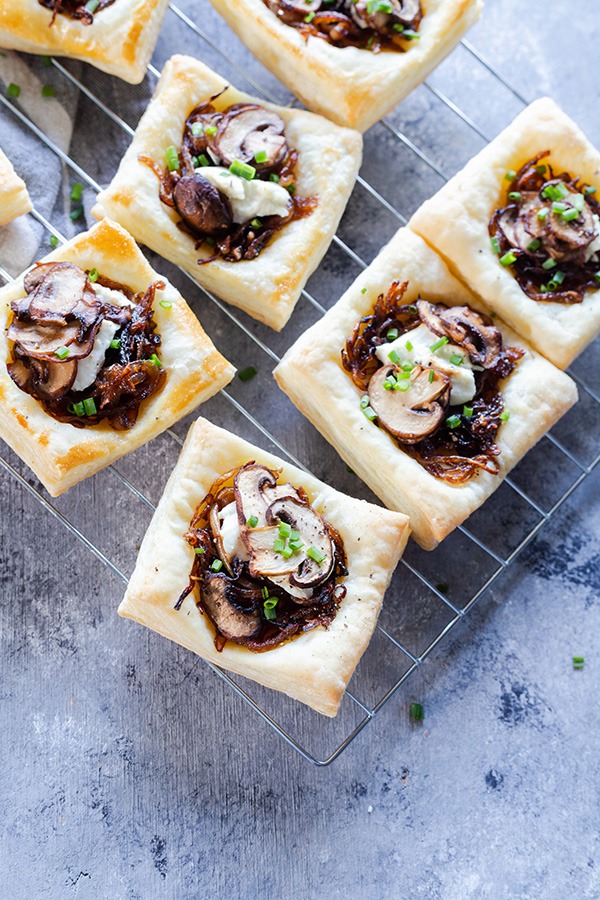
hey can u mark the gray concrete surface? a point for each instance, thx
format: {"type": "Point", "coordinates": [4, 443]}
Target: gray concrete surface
{"type": "Point", "coordinates": [130, 771]}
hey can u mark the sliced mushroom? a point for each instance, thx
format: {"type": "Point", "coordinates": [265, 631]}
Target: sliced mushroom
{"type": "Point", "coordinates": [247, 129]}
{"type": "Point", "coordinates": [58, 293]}
{"type": "Point", "coordinates": [201, 206]}
{"type": "Point", "coordinates": [462, 325]}
{"type": "Point", "coordinates": [407, 12]}
{"type": "Point", "coordinates": [313, 533]}
{"type": "Point", "coordinates": [568, 241]}
{"type": "Point", "coordinates": [42, 342]}
{"type": "Point", "coordinates": [265, 562]}
{"type": "Point", "coordinates": [521, 225]}
{"type": "Point", "coordinates": [416, 413]}
{"type": "Point", "coordinates": [300, 6]}
{"type": "Point", "coordinates": [248, 485]}
{"type": "Point", "coordinates": [402, 12]}
{"type": "Point", "coordinates": [231, 622]}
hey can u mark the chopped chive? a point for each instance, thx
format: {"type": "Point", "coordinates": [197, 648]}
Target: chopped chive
{"type": "Point", "coordinates": [278, 545]}
{"type": "Point", "coordinates": [408, 346]}
{"type": "Point", "coordinates": [154, 359]}
{"type": "Point", "coordinates": [393, 357]}
{"type": "Point", "coordinates": [508, 259]}
{"type": "Point", "coordinates": [195, 162]}
{"type": "Point", "coordinates": [388, 385]}
{"type": "Point", "coordinates": [270, 602]}
{"type": "Point", "coordinates": [270, 613]}
{"type": "Point", "coordinates": [438, 344]}
{"type": "Point", "coordinates": [294, 535]}
{"type": "Point", "coordinates": [549, 264]}
{"type": "Point", "coordinates": [541, 169]}
{"type": "Point", "coordinates": [210, 130]}
{"type": "Point", "coordinates": [392, 334]}
{"type": "Point", "coordinates": [93, 275]}
{"type": "Point", "coordinates": [534, 245]}
{"type": "Point", "coordinates": [589, 190]}
{"type": "Point", "coordinates": [199, 551]}
{"type": "Point", "coordinates": [570, 214]}
{"type": "Point", "coordinates": [204, 160]}
{"type": "Point", "coordinates": [274, 178]}
{"type": "Point", "coordinates": [285, 529]}
{"type": "Point", "coordinates": [242, 169]}
{"type": "Point", "coordinates": [48, 90]}
{"type": "Point", "coordinates": [416, 712]}
{"type": "Point", "coordinates": [578, 201]}
{"type": "Point", "coordinates": [399, 28]}
{"type": "Point", "coordinates": [197, 129]}
{"type": "Point", "coordinates": [286, 552]}
{"type": "Point", "coordinates": [370, 413]}
{"type": "Point", "coordinates": [265, 593]}
{"type": "Point", "coordinates": [261, 156]}
{"type": "Point", "coordinates": [364, 401]}
{"type": "Point", "coordinates": [495, 245]}
{"type": "Point", "coordinates": [46, 61]}
{"type": "Point", "coordinates": [269, 608]}
{"type": "Point", "coordinates": [402, 375]}
{"type": "Point", "coordinates": [165, 304]}
{"type": "Point", "coordinates": [412, 308]}
{"type": "Point", "coordinates": [78, 409]}
{"type": "Point", "coordinates": [402, 386]}
{"type": "Point", "coordinates": [308, 19]}
{"type": "Point", "coordinates": [543, 213]}
{"type": "Point", "coordinates": [252, 522]}
{"type": "Point", "coordinates": [256, 223]}
{"type": "Point", "coordinates": [363, 290]}
{"type": "Point", "coordinates": [296, 546]}
{"type": "Point", "coordinates": [453, 421]}
{"type": "Point", "coordinates": [115, 343]}
{"type": "Point", "coordinates": [597, 277]}
{"type": "Point", "coordinates": [431, 375]}
{"type": "Point", "coordinates": [510, 175]}
{"type": "Point", "coordinates": [456, 359]}
{"type": "Point", "coordinates": [315, 555]}
{"type": "Point", "coordinates": [504, 417]}
{"type": "Point", "coordinates": [53, 240]}
{"type": "Point", "coordinates": [559, 206]}
{"type": "Point", "coordinates": [89, 406]}
{"type": "Point", "coordinates": [291, 188]}
{"type": "Point", "coordinates": [467, 412]}
{"type": "Point", "coordinates": [13, 90]}
{"type": "Point", "coordinates": [410, 35]}
{"type": "Point", "coordinates": [76, 213]}
{"type": "Point", "coordinates": [514, 195]}
{"type": "Point", "coordinates": [172, 158]}
{"type": "Point", "coordinates": [62, 352]}
{"type": "Point", "coordinates": [92, 5]}
{"type": "Point", "coordinates": [559, 277]}
{"type": "Point", "coordinates": [216, 565]}
{"type": "Point", "coordinates": [578, 662]}
{"type": "Point", "coordinates": [247, 374]}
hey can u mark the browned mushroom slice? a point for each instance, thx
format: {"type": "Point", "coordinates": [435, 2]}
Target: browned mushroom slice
{"type": "Point", "coordinates": [407, 12]}
{"type": "Point", "coordinates": [313, 569]}
{"type": "Point", "coordinates": [20, 374]}
{"type": "Point", "coordinates": [42, 342]}
{"type": "Point", "coordinates": [521, 224]}
{"type": "Point", "coordinates": [462, 325]}
{"type": "Point", "coordinates": [568, 241]}
{"type": "Point", "coordinates": [45, 380]}
{"type": "Point", "coordinates": [59, 293]}
{"type": "Point", "coordinates": [247, 130]}
{"type": "Point", "coordinates": [201, 206]}
{"type": "Point", "coordinates": [402, 12]}
{"type": "Point", "coordinates": [416, 413]}
{"type": "Point", "coordinates": [248, 485]}
{"type": "Point", "coordinates": [264, 560]}
{"type": "Point", "coordinates": [233, 623]}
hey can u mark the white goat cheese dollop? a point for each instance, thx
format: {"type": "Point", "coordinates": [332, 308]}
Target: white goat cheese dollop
{"type": "Point", "coordinates": [248, 199]}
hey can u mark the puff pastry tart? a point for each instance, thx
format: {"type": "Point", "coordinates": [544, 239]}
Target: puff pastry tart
{"type": "Point", "coordinates": [350, 61]}
{"type": "Point", "coordinates": [263, 570]}
{"type": "Point", "coordinates": [99, 354]}
{"type": "Point", "coordinates": [14, 199]}
{"type": "Point", "coordinates": [117, 36]}
{"type": "Point", "coordinates": [244, 195]}
{"type": "Point", "coordinates": [428, 399]}
{"type": "Point", "coordinates": [521, 224]}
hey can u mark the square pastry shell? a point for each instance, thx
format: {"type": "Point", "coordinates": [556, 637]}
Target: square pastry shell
{"type": "Point", "coordinates": [60, 454]}
{"type": "Point", "coordinates": [14, 198]}
{"type": "Point", "coordinates": [267, 287]}
{"type": "Point", "coordinates": [455, 222]}
{"type": "Point", "coordinates": [351, 86]}
{"type": "Point", "coordinates": [313, 667]}
{"type": "Point", "coordinates": [312, 375]}
{"type": "Point", "coordinates": [120, 41]}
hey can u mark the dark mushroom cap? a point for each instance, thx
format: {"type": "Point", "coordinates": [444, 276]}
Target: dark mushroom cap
{"type": "Point", "coordinates": [416, 413]}
{"type": "Point", "coordinates": [201, 205]}
{"type": "Point", "coordinates": [235, 624]}
{"type": "Point", "coordinates": [247, 129]}
{"type": "Point", "coordinates": [313, 533]}
{"type": "Point", "coordinates": [44, 380]}
{"type": "Point", "coordinates": [462, 325]}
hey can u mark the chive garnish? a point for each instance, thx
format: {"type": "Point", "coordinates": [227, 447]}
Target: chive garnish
{"type": "Point", "coordinates": [78, 409]}
{"type": "Point", "coordinates": [48, 90]}
{"type": "Point", "coordinates": [416, 712]}
{"type": "Point", "coordinates": [453, 421]}
{"type": "Point", "coordinates": [495, 245]}
{"type": "Point", "coordinates": [570, 214]}
{"type": "Point", "coordinates": [408, 346]}
{"type": "Point", "coordinates": [514, 195]}
{"type": "Point", "coordinates": [76, 213]}
{"type": "Point", "coordinates": [578, 662]}
{"type": "Point", "coordinates": [392, 334]}
{"type": "Point", "coordinates": [53, 240]}
{"type": "Point", "coordinates": [265, 593]}
{"type": "Point", "coordinates": [217, 565]}
{"type": "Point", "coordinates": [165, 304]}
{"type": "Point", "coordinates": [62, 352]}
{"type": "Point", "coordinates": [252, 522]}
{"type": "Point", "coordinates": [256, 223]}
{"type": "Point", "coordinates": [269, 608]}
{"type": "Point", "coordinates": [364, 401]}
{"type": "Point", "coordinates": [456, 359]}
{"type": "Point", "coordinates": [549, 264]}
{"type": "Point", "coordinates": [438, 344]}
{"type": "Point", "coordinates": [543, 213]}
{"type": "Point", "coordinates": [261, 156]}
{"type": "Point", "coordinates": [308, 19]}
{"type": "Point", "coordinates": [93, 275]}
{"type": "Point", "coordinates": [92, 5]}
{"type": "Point", "coordinates": [278, 545]}
{"type": "Point", "coordinates": [115, 343]}
{"type": "Point", "coordinates": [316, 555]}
{"type": "Point", "coordinates": [197, 129]}
{"type": "Point", "coordinates": [13, 90]}
{"type": "Point", "coordinates": [210, 130]}
{"type": "Point", "coordinates": [511, 175]}
{"type": "Point", "coordinates": [370, 413]}
{"type": "Point", "coordinates": [504, 417]}
{"type": "Point", "coordinates": [247, 374]}
{"type": "Point", "coordinates": [393, 357]}
{"type": "Point", "coordinates": [508, 259]}
{"type": "Point", "coordinates": [154, 359]}
{"type": "Point", "coordinates": [285, 529]}
{"type": "Point", "coordinates": [431, 375]}
{"type": "Point", "coordinates": [589, 190]}
{"type": "Point", "coordinates": [534, 245]}
{"type": "Point", "coordinates": [274, 178]}
{"type": "Point", "coordinates": [204, 160]}
{"type": "Point", "coordinates": [363, 290]}
{"type": "Point", "coordinates": [199, 551]}
{"type": "Point", "coordinates": [242, 169]}
{"type": "Point", "coordinates": [172, 158]}
{"type": "Point", "coordinates": [467, 412]}
{"type": "Point", "coordinates": [89, 406]}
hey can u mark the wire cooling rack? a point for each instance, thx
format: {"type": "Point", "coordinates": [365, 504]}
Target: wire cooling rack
{"type": "Point", "coordinates": [426, 598]}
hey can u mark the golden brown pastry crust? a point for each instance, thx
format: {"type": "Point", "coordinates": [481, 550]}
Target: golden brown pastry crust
{"type": "Point", "coordinates": [14, 199]}
{"type": "Point", "coordinates": [120, 41]}
{"type": "Point", "coordinates": [267, 287]}
{"type": "Point", "coordinates": [455, 222]}
{"type": "Point", "coordinates": [311, 374]}
{"type": "Point", "coordinates": [350, 86]}
{"type": "Point", "coordinates": [60, 454]}
{"type": "Point", "coordinates": [314, 667]}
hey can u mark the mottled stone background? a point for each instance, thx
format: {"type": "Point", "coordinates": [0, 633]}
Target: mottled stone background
{"type": "Point", "coordinates": [130, 771]}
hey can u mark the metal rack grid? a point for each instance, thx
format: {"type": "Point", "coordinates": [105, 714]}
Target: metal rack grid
{"type": "Point", "coordinates": [430, 596]}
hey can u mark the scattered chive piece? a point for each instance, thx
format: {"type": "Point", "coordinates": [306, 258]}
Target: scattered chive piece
{"type": "Point", "coordinates": [495, 245]}
{"type": "Point", "coordinates": [62, 352]}
{"type": "Point", "coordinates": [48, 90]}
{"type": "Point", "coordinates": [412, 308]}
{"type": "Point", "coordinates": [316, 555]}
{"type": "Point", "coordinates": [217, 565]}
{"type": "Point", "coordinates": [165, 304]}
{"type": "Point", "coordinates": [534, 245]}
{"type": "Point", "coordinates": [438, 344]}
{"type": "Point", "coordinates": [172, 158]}
{"type": "Point", "coordinates": [416, 712]}
{"type": "Point", "coordinates": [558, 206]}
{"type": "Point", "coordinates": [247, 374]}
{"type": "Point", "coordinates": [597, 277]}
{"type": "Point", "coordinates": [370, 42]}
{"type": "Point", "coordinates": [456, 359]}
{"type": "Point", "coordinates": [261, 156]}
{"type": "Point", "coordinates": [286, 552]}
{"type": "Point", "coordinates": [393, 357]}
{"type": "Point", "coordinates": [13, 90]}
{"type": "Point", "coordinates": [204, 160]}
{"type": "Point", "coordinates": [570, 214]}
{"type": "Point", "coordinates": [431, 375]}
{"type": "Point", "coordinates": [388, 385]}
{"type": "Point", "coordinates": [408, 346]}
{"type": "Point", "coordinates": [256, 223]}
{"type": "Point", "coordinates": [242, 169]}
{"type": "Point", "coordinates": [291, 188]}
{"type": "Point", "coordinates": [78, 409]}
{"type": "Point", "coordinates": [541, 169]}
{"type": "Point", "coordinates": [392, 334]}
{"type": "Point", "coordinates": [47, 62]}
{"type": "Point", "coordinates": [76, 213]}
{"type": "Point", "coordinates": [210, 130]}
{"type": "Point", "coordinates": [514, 195]}
{"type": "Point", "coordinates": [53, 240]}
{"type": "Point", "coordinates": [467, 412]}
{"type": "Point", "coordinates": [265, 593]}
{"type": "Point", "coordinates": [363, 291]}
{"type": "Point", "coordinates": [549, 264]}
{"type": "Point", "coordinates": [504, 417]}
{"type": "Point", "coordinates": [399, 28]}
{"type": "Point", "coordinates": [578, 662]}
{"type": "Point", "coordinates": [115, 343]}
{"type": "Point", "coordinates": [285, 529]}
{"type": "Point", "coordinates": [511, 175]}
{"type": "Point", "coordinates": [370, 413]}
{"type": "Point", "coordinates": [197, 129]}
{"type": "Point", "coordinates": [294, 535]}
{"type": "Point", "coordinates": [199, 551]}
{"type": "Point", "coordinates": [453, 421]}
{"type": "Point", "coordinates": [308, 19]}
{"type": "Point", "coordinates": [543, 213]}
{"type": "Point", "coordinates": [407, 367]}
{"type": "Point", "coordinates": [411, 35]}
{"type": "Point", "coordinates": [278, 545]}
{"type": "Point", "coordinates": [402, 386]}
{"type": "Point", "coordinates": [296, 546]}
{"type": "Point", "coordinates": [92, 5]}
{"type": "Point", "coordinates": [89, 406]}
{"type": "Point", "coordinates": [578, 201]}
{"type": "Point", "coordinates": [252, 522]}
{"type": "Point", "coordinates": [269, 607]}
{"type": "Point", "coordinates": [93, 275]}
{"type": "Point", "coordinates": [588, 191]}
{"type": "Point", "coordinates": [274, 178]}
{"type": "Point", "coordinates": [269, 613]}
{"type": "Point", "coordinates": [195, 162]}
{"type": "Point", "coordinates": [364, 401]}
{"type": "Point", "coordinates": [558, 277]}
{"type": "Point", "coordinates": [154, 359]}
{"type": "Point", "coordinates": [508, 259]}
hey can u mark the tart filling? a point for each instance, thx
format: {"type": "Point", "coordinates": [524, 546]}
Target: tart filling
{"type": "Point", "coordinates": [84, 346]}
{"type": "Point", "coordinates": [368, 24]}
{"type": "Point", "coordinates": [429, 375]}
{"type": "Point", "coordinates": [76, 10]}
{"type": "Point", "coordinates": [232, 181]}
{"type": "Point", "coordinates": [549, 233]}
{"type": "Point", "coordinates": [267, 566]}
